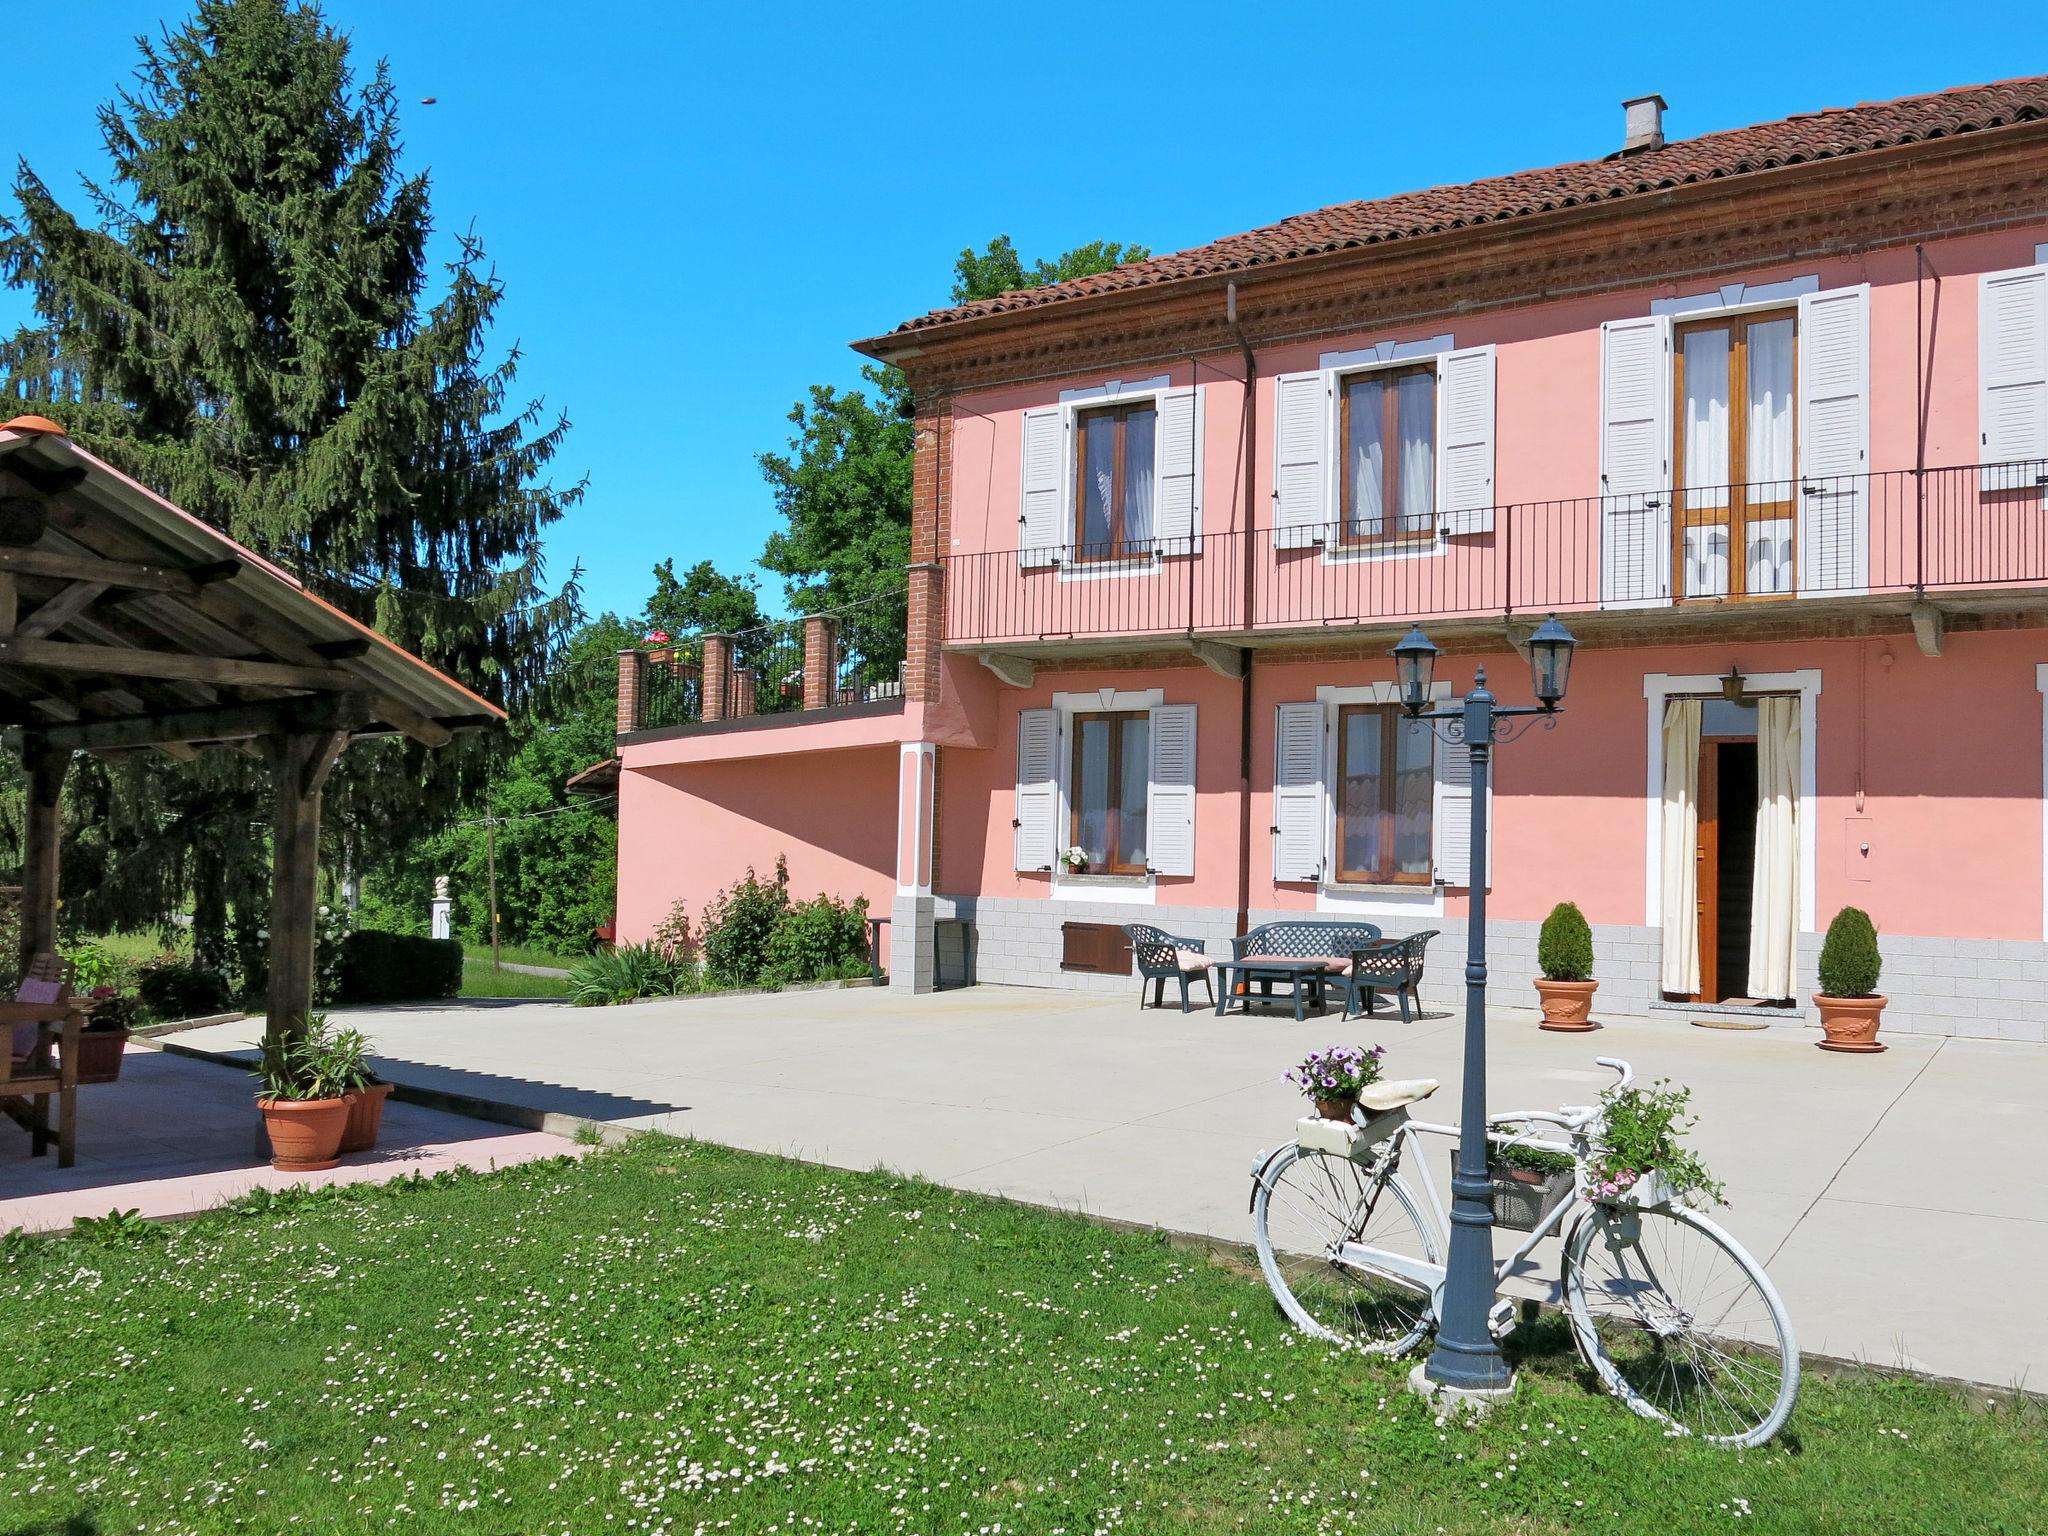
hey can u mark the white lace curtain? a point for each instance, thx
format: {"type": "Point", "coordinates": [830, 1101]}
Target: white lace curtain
{"type": "Point", "coordinates": [1774, 890]}
{"type": "Point", "coordinates": [1681, 958]}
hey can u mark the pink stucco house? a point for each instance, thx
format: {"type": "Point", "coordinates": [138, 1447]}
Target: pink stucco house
{"type": "Point", "coordinates": [1762, 415]}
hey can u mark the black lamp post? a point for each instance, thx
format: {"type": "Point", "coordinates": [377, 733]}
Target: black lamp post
{"type": "Point", "coordinates": [1466, 1358]}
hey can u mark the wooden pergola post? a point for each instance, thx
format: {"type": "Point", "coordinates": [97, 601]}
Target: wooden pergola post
{"type": "Point", "coordinates": [298, 765]}
{"type": "Point", "coordinates": [46, 766]}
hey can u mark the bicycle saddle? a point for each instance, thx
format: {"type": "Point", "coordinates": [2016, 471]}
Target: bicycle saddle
{"type": "Point", "coordinates": [1381, 1097]}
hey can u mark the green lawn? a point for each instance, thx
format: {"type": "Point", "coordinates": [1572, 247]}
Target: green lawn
{"type": "Point", "coordinates": [674, 1337]}
{"type": "Point", "coordinates": [480, 980]}
{"type": "Point", "coordinates": [517, 954]}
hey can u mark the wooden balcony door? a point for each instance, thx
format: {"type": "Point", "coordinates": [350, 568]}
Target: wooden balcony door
{"type": "Point", "coordinates": [1735, 457]}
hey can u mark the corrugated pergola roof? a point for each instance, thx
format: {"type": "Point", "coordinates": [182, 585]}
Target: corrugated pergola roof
{"type": "Point", "coordinates": [127, 622]}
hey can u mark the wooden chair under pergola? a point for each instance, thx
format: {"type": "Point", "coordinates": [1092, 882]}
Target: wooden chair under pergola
{"type": "Point", "coordinates": [127, 624]}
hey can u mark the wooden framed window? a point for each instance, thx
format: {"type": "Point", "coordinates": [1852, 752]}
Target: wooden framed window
{"type": "Point", "coordinates": [1387, 427]}
{"type": "Point", "coordinates": [1386, 791]}
{"type": "Point", "coordinates": [1116, 480]}
{"type": "Point", "coordinates": [1736, 455]}
{"type": "Point", "coordinates": [1109, 790]}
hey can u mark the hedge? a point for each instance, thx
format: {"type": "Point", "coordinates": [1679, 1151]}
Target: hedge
{"type": "Point", "coordinates": [380, 967]}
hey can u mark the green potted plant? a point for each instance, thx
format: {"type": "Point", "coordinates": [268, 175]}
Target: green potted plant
{"type": "Point", "coordinates": [1564, 955]}
{"type": "Point", "coordinates": [1849, 1002]}
{"type": "Point", "coordinates": [1638, 1158]}
{"type": "Point", "coordinates": [1334, 1078]}
{"type": "Point", "coordinates": [302, 1097]}
{"type": "Point", "coordinates": [364, 1090]}
{"type": "Point", "coordinates": [103, 1037]}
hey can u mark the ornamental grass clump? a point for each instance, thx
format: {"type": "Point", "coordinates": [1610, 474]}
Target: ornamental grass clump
{"type": "Point", "coordinates": [1849, 960]}
{"type": "Point", "coordinates": [623, 975]}
{"type": "Point", "coordinates": [1564, 946]}
{"type": "Point", "coordinates": [1339, 1074]}
{"type": "Point", "coordinates": [1640, 1134]}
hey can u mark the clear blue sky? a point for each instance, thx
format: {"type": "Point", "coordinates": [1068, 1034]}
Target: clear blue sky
{"type": "Point", "coordinates": [695, 208]}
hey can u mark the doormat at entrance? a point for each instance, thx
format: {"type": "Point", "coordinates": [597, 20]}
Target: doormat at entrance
{"type": "Point", "coordinates": [1728, 1021]}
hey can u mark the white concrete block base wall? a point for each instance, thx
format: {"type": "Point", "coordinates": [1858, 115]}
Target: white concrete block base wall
{"type": "Point", "coordinates": [1982, 989]}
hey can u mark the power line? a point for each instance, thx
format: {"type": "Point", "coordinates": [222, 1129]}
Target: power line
{"type": "Point", "coordinates": [499, 821]}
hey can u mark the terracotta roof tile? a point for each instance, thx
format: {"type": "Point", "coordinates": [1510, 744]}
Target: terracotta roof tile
{"type": "Point", "coordinates": [1802, 137]}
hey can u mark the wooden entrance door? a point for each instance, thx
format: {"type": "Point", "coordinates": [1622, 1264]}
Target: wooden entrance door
{"type": "Point", "coordinates": [1707, 872]}
{"type": "Point", "coordinates": [1724, 876]}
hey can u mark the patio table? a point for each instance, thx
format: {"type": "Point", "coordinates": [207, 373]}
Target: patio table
{"type": "Point", "coordinates": [1303, 978]}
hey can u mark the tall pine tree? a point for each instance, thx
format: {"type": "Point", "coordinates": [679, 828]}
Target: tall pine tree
{"type": "Point", "coordinates": [245, 323]}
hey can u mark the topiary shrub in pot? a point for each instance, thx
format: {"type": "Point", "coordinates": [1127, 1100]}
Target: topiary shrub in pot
{"type": "Point", "coordinates": [1849, 1002]}
{"type": "Point", "coordinates": [1564, 955]}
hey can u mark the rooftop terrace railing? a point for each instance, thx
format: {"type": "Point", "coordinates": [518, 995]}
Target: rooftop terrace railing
{"type": "Point", "coordinates": [1907, 532]}
{"type": "Point", "coordinates": [848, 655]}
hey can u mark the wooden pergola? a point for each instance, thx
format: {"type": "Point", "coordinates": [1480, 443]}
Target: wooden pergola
{"type": "Point", "coordinates": [129, 625]}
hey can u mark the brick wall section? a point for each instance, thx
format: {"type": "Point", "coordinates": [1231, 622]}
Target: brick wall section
{"type": "Point", "coordinates": [821, 661]}
{"type": "Point", "coordinates": [930, 538]}
{"type": "Point", "coordinates": [714, 700]}
{"type": "Point", "coordinates": [739, 702]}
{"type": "Point", "coordinates": [632, 690]}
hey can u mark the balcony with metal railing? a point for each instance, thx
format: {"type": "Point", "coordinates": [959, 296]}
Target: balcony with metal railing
{"type": "Point", "coordinates": [846, 660]}
{"type": "Point", "coordinates": [1968, 534]}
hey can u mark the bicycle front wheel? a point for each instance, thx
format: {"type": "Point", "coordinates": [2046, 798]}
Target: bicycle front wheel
{"type": "Point", "coordinates": [1680, 1323]}
{"type": "Point", "coordinates": [1307, 1204]}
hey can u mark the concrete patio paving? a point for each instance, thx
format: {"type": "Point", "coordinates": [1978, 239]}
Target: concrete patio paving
{"type": "Point", "coordinates": [1897, 1199]}
{"type": "Point", "coordinates": [175, 1137]}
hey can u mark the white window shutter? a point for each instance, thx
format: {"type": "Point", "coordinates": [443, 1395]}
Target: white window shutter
{"type": "Point", "coordinates": [2012, 379]}
{"type": "Point", "coordinates": [1834, 440]}
{"type": "Point", "coordinates": [1178, 471]}
{"type": "Point", "coordinates": [1635, 461]}
{"type": "Point", "coordinates": [1464, 483]}
{"type": "Point", "coordinates": [1451, 816]}
{"type": "Point", "coordinates": [1038, 795]}
{"type": "Point", "coordinates": [1170, 807]}
{"type": "Point", "coordinates": [1298, 814]}
{"type": "Point", "coordinates": [1301, 459]}
{"type": "Point", "coordinates": [1041, 525]}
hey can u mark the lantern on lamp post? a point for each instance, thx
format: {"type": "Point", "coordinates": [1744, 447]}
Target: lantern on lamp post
{"type": "Point", "coordinates": [1466, 1359]}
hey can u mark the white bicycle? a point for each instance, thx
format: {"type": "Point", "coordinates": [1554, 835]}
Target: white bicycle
{"type": "Point", "coordinates": [1669, 1311]}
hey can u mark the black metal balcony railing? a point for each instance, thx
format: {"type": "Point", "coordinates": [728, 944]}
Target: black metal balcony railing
{"type": "Point", "coordinates": [1949, 529]}
{"type": "Point", "coordinates": [763, 668]}
{"type": "Point", "coordinates": [672, 688]}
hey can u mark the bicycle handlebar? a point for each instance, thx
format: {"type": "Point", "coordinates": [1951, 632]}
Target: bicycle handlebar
{"type": "Point", "coordinates": [1628, 1073]}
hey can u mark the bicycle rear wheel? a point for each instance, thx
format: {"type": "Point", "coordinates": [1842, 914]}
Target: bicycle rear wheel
{"type": "Point", "coordinates": [1306, 1204]}
{"type": "Point", "coordinates": [1680, 1323]}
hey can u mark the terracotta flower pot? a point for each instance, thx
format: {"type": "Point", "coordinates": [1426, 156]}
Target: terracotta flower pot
{"type": "Point", "coordinates": [1336, 1109]}
{"type": "Point", "coordinates": [1850, 1023]}
{"type": "Point", "coordinates": [365, 1118]}
{"type": "Point", "coordinates": [1566, 1004]}
{"type": "Point", "coordinates": [100, 1053]}
{"type": "Point", "coordinates": [305, 1134]}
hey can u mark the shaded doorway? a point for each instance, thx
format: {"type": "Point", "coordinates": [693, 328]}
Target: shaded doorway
{"type": "Point", "coordinates": [1727, 864]}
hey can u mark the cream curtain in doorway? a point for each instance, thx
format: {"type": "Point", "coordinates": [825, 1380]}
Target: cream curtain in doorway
{"type": "Point", "coordinates": [1774, 891]}
{"type": "Point", "coordinates": [1681, 971]}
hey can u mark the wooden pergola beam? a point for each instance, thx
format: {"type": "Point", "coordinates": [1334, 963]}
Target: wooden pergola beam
{"type": "Point", "coordinates": [134, 575]}
{"type": "Point", "coordinates": [46, 768]}
{"type": "Point", "coordinates": [60, 610]}
{"type": "Point", "coordinates": [226, 722]}
{"type": "Point", "coordinates": [221, 671]}
{"type": "Point", "coordinates": [298, 765]}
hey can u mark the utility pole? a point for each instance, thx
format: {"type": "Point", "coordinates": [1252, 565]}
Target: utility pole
{"type": "Point", "coordinates": [491, 867]}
